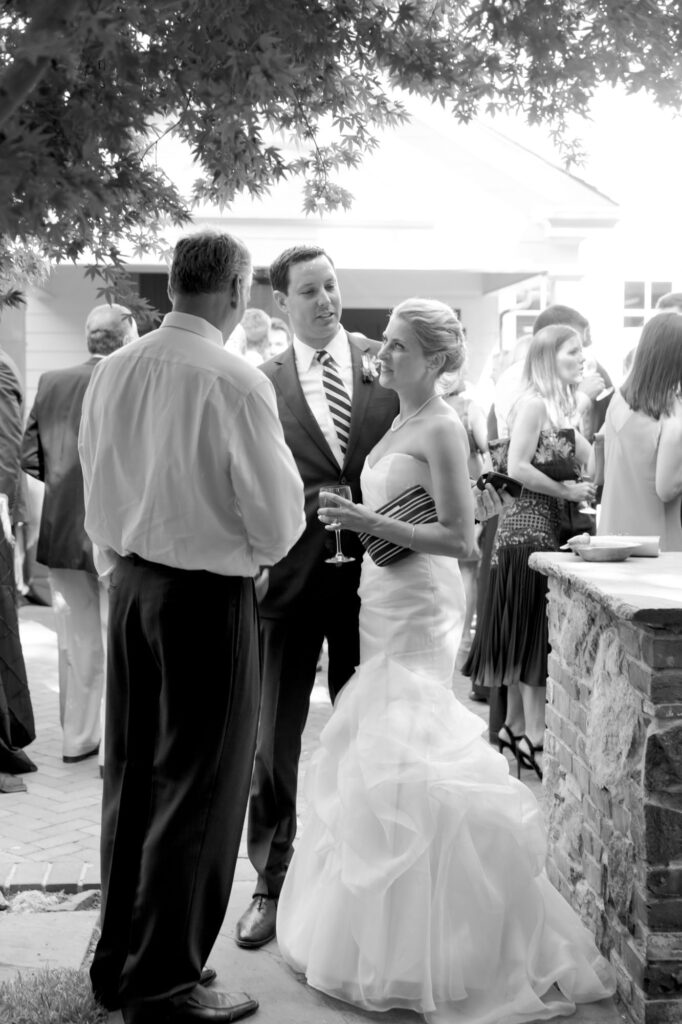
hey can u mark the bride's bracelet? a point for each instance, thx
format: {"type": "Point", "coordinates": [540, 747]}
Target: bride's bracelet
{"type": "Point", "coordinates": [411, 541]}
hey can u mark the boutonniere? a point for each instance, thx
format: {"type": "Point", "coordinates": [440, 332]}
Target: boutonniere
{"type": "Point", "coordinates": [370, 368]}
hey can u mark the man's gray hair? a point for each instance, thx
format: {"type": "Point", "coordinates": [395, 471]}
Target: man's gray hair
{"type": "Point", "coordinates": [108, 327]}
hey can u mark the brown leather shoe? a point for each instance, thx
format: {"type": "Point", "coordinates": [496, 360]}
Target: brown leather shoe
{"type": "Point", "coordinates": [200, 1007]}
{"type": "Point", "coordinates": [208, 976]}
{"type": "Point", "coordinates": [257, 925]}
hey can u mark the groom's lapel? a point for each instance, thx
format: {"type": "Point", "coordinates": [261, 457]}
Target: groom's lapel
{"type": "Point", "coordinates": [290, 389]}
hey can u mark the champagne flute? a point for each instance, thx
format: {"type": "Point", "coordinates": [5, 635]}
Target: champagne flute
{"type": "Point", "coordinates": [327, 495]}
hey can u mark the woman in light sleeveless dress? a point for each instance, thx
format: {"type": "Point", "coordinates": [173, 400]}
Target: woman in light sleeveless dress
{"type": "Point", "coordinates": [418, 880]}
{"type": "Point", "coordinates": [643, 440]}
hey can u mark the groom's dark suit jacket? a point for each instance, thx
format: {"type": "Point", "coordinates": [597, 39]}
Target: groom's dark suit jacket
{"type": "Point", "coordinates": [373, 409]}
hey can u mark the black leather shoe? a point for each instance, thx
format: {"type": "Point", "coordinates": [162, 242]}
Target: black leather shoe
{"type": "Point", "coordinates": [208, 976]}
{"type": "Point", "coordinates": [257, 925]}
{"type": "Point", "coordinates": [200, 1006]}
{"type": "Point", "coordinates": [80, 757]}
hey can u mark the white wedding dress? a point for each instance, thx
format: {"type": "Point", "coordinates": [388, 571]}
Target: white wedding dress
{"type": "Point", "coordinates": [418, 880]}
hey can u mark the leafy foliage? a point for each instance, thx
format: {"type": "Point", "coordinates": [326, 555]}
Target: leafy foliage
{"type": "Point", "coordinates": [19, 264]}
{"type": "Point", "coordinates": [87, 86]}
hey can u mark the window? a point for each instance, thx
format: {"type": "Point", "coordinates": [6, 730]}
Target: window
{"type": "Point", "coordinates": [524, 303]}
{"type": "Point", "coordinates": [640, 298]}
{"type": "Point", "coordinates": [524, 324]}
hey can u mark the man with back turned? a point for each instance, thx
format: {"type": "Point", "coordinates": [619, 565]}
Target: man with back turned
{"type": "Point", "coordinates": [190, 491]}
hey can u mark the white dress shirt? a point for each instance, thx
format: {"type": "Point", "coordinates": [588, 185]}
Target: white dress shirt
{"type": "Point", "coordinates": [309, 371]}
{"type": "Point", "coordinates": [184, 459]}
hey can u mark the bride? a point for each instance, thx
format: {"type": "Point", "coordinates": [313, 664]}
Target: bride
{"type": "Point", "coordinates": [418, 881]}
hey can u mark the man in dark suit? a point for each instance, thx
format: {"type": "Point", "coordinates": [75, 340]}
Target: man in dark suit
{"type": "Point", "coordinates": [79, 599]}
{"type": "Point", "coordinates": [307, 599]}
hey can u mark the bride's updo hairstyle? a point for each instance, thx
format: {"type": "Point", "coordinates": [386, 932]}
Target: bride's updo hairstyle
{"type": "Point", "coordinates": [437, 330]}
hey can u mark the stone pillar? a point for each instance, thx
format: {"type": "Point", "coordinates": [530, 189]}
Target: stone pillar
{"type": "Point", "coordinates": [613, 766]}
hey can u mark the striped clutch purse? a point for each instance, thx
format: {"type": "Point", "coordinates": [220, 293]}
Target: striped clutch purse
{"type": "Point", "coordinates": [415, 505]}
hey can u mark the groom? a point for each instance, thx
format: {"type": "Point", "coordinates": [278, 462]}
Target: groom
{"type": "Point", "coordinates": [333, 412]}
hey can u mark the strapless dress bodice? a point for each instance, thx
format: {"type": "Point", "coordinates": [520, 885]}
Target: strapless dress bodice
{"type": "Point", "coordinates": [390, 475]}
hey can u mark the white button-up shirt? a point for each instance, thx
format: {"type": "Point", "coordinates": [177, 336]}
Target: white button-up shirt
{"type": "Point", "coordinates": [309, 371]}
{"type": "Point", "coordinates": [184, 459]}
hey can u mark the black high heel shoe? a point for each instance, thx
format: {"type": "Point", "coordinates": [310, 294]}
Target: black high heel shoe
{"type": "Point", "coordinates": [525, 758]}
{"type": "Point", "coordinates": [506, 743]}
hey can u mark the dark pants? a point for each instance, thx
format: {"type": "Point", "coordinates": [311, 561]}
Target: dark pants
{"type": "Point", "coordinates": [17, 728]}
{"type": "Point", "coordinates": [183, 688]}
{"type": "Point", "coordinates": [290, 648]}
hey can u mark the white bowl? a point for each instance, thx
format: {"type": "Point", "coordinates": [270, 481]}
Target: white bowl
{"type": "Point", "coordinates": [612, 551]}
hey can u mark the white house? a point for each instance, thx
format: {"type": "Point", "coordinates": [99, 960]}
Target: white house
{"type": "Point", "coordinates": [461, 213]}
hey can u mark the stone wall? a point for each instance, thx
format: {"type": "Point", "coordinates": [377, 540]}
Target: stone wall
{"type": "Point", "coordinates": [613, 791]}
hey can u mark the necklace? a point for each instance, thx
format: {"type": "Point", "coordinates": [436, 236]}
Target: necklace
{"type": "Point", "coordinates": [398, 423]}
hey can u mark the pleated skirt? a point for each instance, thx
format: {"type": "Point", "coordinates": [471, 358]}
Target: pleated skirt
{"type": "Point", "coordinates": [511, 642]}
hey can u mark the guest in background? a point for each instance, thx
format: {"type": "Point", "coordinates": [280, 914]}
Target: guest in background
{"type": "Point", "coordinates": [474, 422]}
{"type": "Point", "coordinates": [508, 386]}
{"type": "Point", "coordinates": [643, 440]}
{"type": "Point", "coordinates": [500, 361]}
{"type": "Point", "coordinates": [17, 728]}
{"type": "Point", "coordinates": [256, 326]}
{"type": "Point", "coordinates": [280, 337]}
{"type": "Point", "coordinates": [592, 402]}
{"type": "Point", "coordinates": [506, 372]}
{"type": "Point", "coordinates": [592, 405]}
{"type": "Point", "coordinates": [79, 598]}
{"type": "Point", "coordinates": [545, 453]}
{"type": "Point", "coordinates": [457, 394]}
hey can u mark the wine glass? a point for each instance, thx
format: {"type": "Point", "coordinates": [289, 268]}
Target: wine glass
{"type": "Point", "coordinates": [327, 495]}
{"type": "Point", "coordinates": [590, 367]}
{"type": "Point", "coordinates": [586, 506]}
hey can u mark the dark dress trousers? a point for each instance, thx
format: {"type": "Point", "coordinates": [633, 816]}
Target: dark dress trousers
{"type": "Point", "coordinates": [183, 652]}
{"type": "Point", "coordinates": [307, 601]}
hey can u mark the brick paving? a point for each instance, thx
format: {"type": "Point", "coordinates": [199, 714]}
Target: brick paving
{"type": "Point", "coordinates": [49, 836]}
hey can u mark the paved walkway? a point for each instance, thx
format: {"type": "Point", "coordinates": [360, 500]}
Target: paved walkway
{"type": "Point", "coordinates": [49, 839]}
{"type": "Point", "coordinates": [49, 836]}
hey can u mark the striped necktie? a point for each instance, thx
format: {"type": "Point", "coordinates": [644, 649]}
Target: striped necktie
{"type": "Point", "coordinates": [337, 397]}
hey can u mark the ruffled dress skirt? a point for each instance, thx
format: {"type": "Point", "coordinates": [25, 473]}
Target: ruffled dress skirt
{"type": "Point", "coordinates": [418, 880]}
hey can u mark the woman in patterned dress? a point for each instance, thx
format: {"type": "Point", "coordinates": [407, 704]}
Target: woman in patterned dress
{"type": "Point", "coordinates": [548, 456]}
